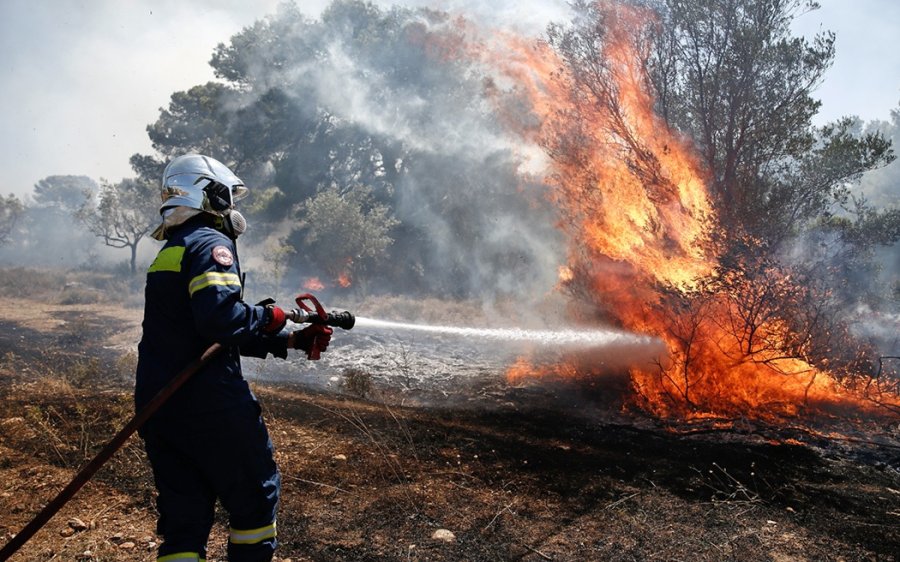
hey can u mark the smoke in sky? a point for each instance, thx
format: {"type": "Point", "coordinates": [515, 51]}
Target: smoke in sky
{"type": "Point", "coordinates": [81, 80]}
{"type": "Point", "coordinates": [83, 108]}
{"type": "Point", "coordinates": [387, 102]}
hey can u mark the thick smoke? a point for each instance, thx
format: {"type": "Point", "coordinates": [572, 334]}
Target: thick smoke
{"type": "Point", "coordinates": [863, 279]}
{"type": "Point", "coordinates": [47, 234]}
{"type": "Point", "coordinates": [880, 321]}
{"type": "Point", "coordinates": [391, 99]}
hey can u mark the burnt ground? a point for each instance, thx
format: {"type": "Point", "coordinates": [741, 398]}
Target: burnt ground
{"type": "Point", "coordinates": [522, 473]}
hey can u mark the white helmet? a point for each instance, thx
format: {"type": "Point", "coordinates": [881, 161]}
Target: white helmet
{"type": "Point", "coordinates": [193, 184]}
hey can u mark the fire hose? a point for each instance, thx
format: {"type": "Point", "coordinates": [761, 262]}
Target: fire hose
{"type": "Point", "coordinates": [305, 314]}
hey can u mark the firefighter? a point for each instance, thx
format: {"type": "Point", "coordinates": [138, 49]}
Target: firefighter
{"type": "Point", "coordinates": [209, 441]}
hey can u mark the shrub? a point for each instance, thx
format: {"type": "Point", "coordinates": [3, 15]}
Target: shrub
{"type": "Point", "coordinates": [357, 382]}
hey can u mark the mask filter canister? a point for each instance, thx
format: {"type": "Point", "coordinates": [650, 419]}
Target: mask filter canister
{"type": "Point", "coordinates": [238, 222]}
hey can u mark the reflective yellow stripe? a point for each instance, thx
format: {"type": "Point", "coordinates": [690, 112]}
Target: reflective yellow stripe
{"type": "Point", "coordinates": [252, 536]}
{"type": "Point", "coordinates": [168, 259]}
{"type": "Point", "coordinates": [181, 557]}
{"type": "Point", "coordinates": [212, 278]}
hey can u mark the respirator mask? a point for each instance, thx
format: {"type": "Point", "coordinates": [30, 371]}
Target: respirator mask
{"type": "Point", "coordinates": [232, 222]}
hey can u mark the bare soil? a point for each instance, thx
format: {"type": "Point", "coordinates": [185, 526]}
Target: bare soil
{"type": "Point", "coordinates": [535, 472]}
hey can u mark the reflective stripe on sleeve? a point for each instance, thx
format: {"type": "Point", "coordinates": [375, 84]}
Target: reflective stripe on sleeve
{"type": "Point", "coordinates": [212, 278]}
{"type": "Point", "coordinates": [252, 536]}
{"type": "Point", "coordinates": [181, 557]}
{"type": "Point", "coordinates": [168, 259]}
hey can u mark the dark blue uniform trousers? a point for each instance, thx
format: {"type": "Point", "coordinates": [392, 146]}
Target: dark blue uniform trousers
{"type": "Point", "coordinates": [226, 455]}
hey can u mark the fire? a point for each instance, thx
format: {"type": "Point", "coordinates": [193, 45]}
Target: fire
{"type": "Point", "coordinates": [344, 279]}
{"type": "Point", "coordinates": [313, 284]}
{"type": "Point", "coordinates": [636, 207]}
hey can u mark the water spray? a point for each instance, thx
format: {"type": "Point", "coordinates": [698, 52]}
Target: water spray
{"type": "Point", "coordinates": [315, 314]}
{"type": "Point", "coordinates": [568, 337]}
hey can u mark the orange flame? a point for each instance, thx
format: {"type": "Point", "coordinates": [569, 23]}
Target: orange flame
{"type": "Point", "coordinates": [635, 204]}
{"type": "Point", "coordinates": [344, 279]}
{"type": "Point", "coordinates": [313, 284]}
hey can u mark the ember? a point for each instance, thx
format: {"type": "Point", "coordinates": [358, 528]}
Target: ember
{"type": "Point", "coordinates": [313, 284]}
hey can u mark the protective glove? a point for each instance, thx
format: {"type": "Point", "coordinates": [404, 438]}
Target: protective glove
{"type": "Point", "coordinates": [313, 339]}
{"type": "Point", "coordinates": [276, 319]}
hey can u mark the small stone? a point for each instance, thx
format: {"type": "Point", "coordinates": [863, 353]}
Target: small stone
{"type": "Point", "coordinates": [77, 524]}
{"type": "Point", "coordinates": [146, 539]}
{"type": "Point", "coordinates": [443, 535]}
{"type": "Point", "coordinates": [127, 545]}
{"type": "Point", "coordinates": [340, 457]}
{"type": "Point", "coordinates": [67, 532]}
{"type": "Point", "coordinates": [117, 537]}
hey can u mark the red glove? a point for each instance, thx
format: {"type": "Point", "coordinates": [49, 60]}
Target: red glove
{"type": "Point", "coordinates": [313, 339]}
{"type": "Point", "coordinates": [277, 320]}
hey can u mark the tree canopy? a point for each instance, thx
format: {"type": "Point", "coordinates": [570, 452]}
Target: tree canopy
{"type": "Point", "coordinates": [11, 210]}
{"type": "Point", "coordinates": [386, 100]}
{"type": "Point", "coordinates": [66, 193]}
{"type": "Point", "coordinates": [122, 214]}
{"type": "Point", "coordinates": [362, 100]}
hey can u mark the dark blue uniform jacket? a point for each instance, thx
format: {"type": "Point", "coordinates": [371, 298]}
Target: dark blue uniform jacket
{"type": "Point", "coordinates": [193, 299]}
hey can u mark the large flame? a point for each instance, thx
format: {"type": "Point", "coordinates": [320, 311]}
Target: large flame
{"type": "Point", "coordinates": [634, 201]}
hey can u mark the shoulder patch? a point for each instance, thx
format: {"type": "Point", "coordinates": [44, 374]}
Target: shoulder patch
{"type": "Point", "coordinates": [223, 256]}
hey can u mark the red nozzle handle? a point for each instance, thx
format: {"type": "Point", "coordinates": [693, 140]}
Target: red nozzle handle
{"type": "Point", "coordinates": [314, 353]}
{"type": "Point", "coordinates": [317, 306]}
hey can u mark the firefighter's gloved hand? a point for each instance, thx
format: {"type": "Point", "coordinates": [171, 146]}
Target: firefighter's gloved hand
{"type": "Point", "coordinates": [276, 319]}
{"type": "Point", "coordinates": [313, 339]}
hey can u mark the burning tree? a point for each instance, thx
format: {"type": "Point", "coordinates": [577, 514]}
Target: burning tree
{"type": "Point", "coordinates": [687, 177]}
{"type": "Point", "coordinates": [346, 232]}
{"type": "Point", "coordinates": [687, 168]}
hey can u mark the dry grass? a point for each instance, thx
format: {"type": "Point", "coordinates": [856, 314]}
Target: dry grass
{"type": "Point", "coordinates": [68, 287]}
{"type": "Point", "coordinates": [364, 481]}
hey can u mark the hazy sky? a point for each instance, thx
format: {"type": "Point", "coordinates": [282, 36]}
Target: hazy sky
{"type": "Point", "coordinates": [81, 79]}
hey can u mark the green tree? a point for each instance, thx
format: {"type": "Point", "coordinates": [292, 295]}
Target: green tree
{"type": "Point", "coordinates": [122, 214]}
{"type": "Point", "coordinates": [11, 209]}
{"type": "Point", "coordinates": [148, 169]}
{"type": "Point", "coordinates": [195, 121]}
{"type": "Point", "coordinates": [383, 98]}
{"type": "Point", "coordinates": [729, 75]}
{"type": "Point", "coordinates": [345, 233]}
{"type": "Point", "coordinates": [66, 193]}
{"type": "Point", "coordinates": [882, 187]}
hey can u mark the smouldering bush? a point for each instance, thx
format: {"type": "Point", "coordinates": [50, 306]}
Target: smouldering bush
{"type": "Point", "coordinates": [76, 293]}
{"type": "Point", "coordinates": [357, 382]}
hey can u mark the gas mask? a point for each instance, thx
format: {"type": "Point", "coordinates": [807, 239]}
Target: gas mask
{"type": "Point", "coordinates": [232, 222]}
